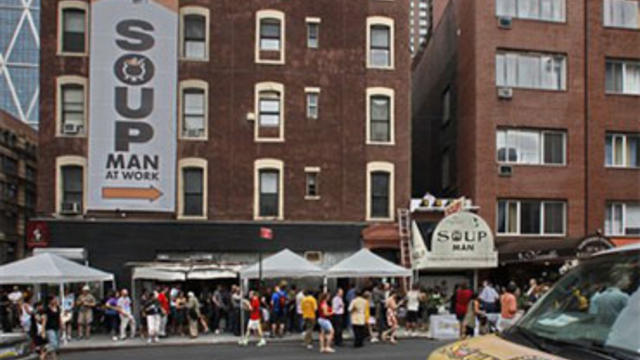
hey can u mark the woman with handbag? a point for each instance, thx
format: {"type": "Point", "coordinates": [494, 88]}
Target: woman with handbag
{"type": "Point", "coordinates": [193, 314]}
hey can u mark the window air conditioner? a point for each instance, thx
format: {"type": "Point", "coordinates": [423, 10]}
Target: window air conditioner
{"type": "Point", "coordinates": [194, 133]}
{"type": "Point", "coordinates": [505, 170]}
{"type": "Point", "coordinates": [505, 93]}
{"type": "Point", "coordinates": [504, 22]}
{"type": "Point", "coordinates": [70, 208]}
{"type": "Point", "coordinates": [71, 128]}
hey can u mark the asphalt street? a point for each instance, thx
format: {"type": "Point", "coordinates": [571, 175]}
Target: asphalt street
{"type": "Point", "coordinates": [405, 350]}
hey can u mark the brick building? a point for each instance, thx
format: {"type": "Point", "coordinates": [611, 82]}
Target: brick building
{"type": "Point", "coordinates": [18, 144]}
{"type": "Point", "coordinates": [292, 115]}
{"type": "Point", "coordinates": [530, 112]}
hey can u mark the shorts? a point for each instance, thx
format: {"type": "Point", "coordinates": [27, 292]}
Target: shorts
{"type": "Point", "coordinates": [325, 324]}
{"type": "Point", "coordinates": [412, 316]}
{"type": "Point", "coordinates": [53, 339]}
{"type": "Point", "coordinates": [85, 317]}
{"type": "Point", "coordinates": [253, 325]}
{"type": "Point", "coordinates": [277, 317]}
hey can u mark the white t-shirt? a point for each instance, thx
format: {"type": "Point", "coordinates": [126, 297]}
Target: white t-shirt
{"type": "Point", "coordinates": [299, 297]}
{"type": "Point", "coordinates": [413, 300]}
{"type": "Point", "coordinates": [15, 296]}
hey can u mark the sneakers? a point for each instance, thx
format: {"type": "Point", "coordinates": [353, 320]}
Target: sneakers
{"type": "Point", "coordinates": [115, 338]}
{"type": "Point", "coordinates": [309, 347]}
{"type": "Point", "coordinates": [262, 342]}
{"type": "Point", "coordinates": [374, 340]}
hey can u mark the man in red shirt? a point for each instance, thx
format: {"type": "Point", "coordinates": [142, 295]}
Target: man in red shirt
{"type": "Point", "coordinates": [164, 305]}
{"type": "Point", "coordinates": [253, 305]}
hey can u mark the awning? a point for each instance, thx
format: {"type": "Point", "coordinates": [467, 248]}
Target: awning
{"type": "Point", "coordinates": [550, 250]}
{"type": "Point", "coordinates": [181, 271]}
{"type": "Point", "coordinates": [150, 273]}
{"type": "Point", "coordinates": [49, 269]}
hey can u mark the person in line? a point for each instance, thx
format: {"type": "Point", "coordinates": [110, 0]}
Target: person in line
{"type": "Point", "coordinates": [68, 303]}
{"type": "Point", "coordinates": [193, 314]}
{"type": "Point", "coordinates": [358, 309]}
{"type": "Point", "coordinates": [489, 297]}
{"type": "Point", "coordinates": [325, 313]}
{"type": "Point", "coordinates": [378, 298]}
{"type": "Point", "coordinates": [254, 325]}
{"type": "Point", "coordinates": [164, 313]}
{"type": "Point", "coordinates": [337, 304]}
{"type": "Point", "coordinates": [111, 314]}
{"type": "Point", "coordinates": [508, 307]}
{"type": "Point", "coordinates": [413, 309]}
{"type": "Point", "coordinates": [217, 309]}
{"type": "Point", "coordinates": [309, 306]}
{"type": "Point", "coordinates": [278, 307]}
{"type": "Point", "coordinates": [474, 315]}
{"type": "Point", "coordinates": [152, 311]}
{"type": "Point", "coordinates": [26, 313]}
{"type": "Point", "coordinates": [85, 304]}
{"type": "Point", "coordinates": [392, 319]}
{"type": "Point", "coordinates": [38, 332]}
{"type": "Point", "coordinates": [125, 312]}
{"type": "Point", "coordinates": [298, 320]}
{"type": "Point", "coordinates": [52, 326]}
{"type": "Point", "coordinates": [234, 316]}
{"type": "Point", "coordinates": [462, 298]}
{"type": "Point", "coordinates": [181, 313]}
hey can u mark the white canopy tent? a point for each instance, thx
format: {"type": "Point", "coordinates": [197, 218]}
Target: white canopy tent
{"type": "Point", "coordinates": [49, 269]}
{"type": "Point", "coordinates": [285, 264]}
{"type": "Point", "coordinates": [364, 263]}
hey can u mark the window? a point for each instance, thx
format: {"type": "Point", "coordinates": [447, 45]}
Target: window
{"type": "Point", "coordinates": [268, 189]}
{"type": "Point", "coordinates": [380, 113]}
{"type": "Point", "coordinates": [71, 106]}
{"type": "Point", "coordinates": [446, 106]}
{"type": "Point", "coordinates": [313, 33]}
{"type": "Point", "coordinates": [193, 191]}
{"type": "Point", "coordinates": [621, 13]}
{"type": "Point", "coordinates": [192, 182]}
{"type": "Point", "coordinates": [312, 190]}
{"type": "Point", "coordinates": [313, 96]}
{"type": "Point", "coordinates": [531, 217]}
{"type": "Point", "coordinates": [622, 77]}
{"type": "Point", "coordinates": [547, 10]}
{"type": "Point", "coordinates": [194, 28]}
{"type": "Point", "coordinates": [380, 189]}
{"type": "Point", "coordinates": [622, 219]}
{"type": "Point", "coordinates": [622, 150]}
{"type": "Point", "coordinates": [269, 125]}
{"type": "Point", "coordinates": [380, 42]}
{"type": "Point", "coordinates": [9, 165]}
{"type": "Point", "coordinates": [72, 27]}
{"type": "Point", "coordinates": [531, 70]}
{"type": "Point", "coordinates": [270, 37]}
{"type": "Point", "coordinates": [531, 147]}
{"type": "Point", "coordinates": [194, 109]}
{"type": "Point", "coordinates": [72, 186]}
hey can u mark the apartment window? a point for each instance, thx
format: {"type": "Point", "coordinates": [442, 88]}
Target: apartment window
{"type": "Point", "coordinates": [313, 98]}
{"type": "Point", "coordinates": [531, 70]}
{"type": "Point", "coordinates": [531, 147]}
{"type": "Point", "coordinates": [73, 15]}
{"type": "Point", "coordinates": [194, 110]}
{"type": "Point", "coordinates": [72, 186]}
{"type": "Point", "coordinates": [313, 33]}
{"type": "Point", "coordinates": [269, 186]}
{"type": "Point", "coordinates": [270, 35]}
{"type": "Point", "coordinates": [71, 105]}
{"type": "Point", "coordinates": [380, 116]}
{"type": "Point", "coordinates": [380, 51]}
{"type": "Point", "coordinates": [195, 31]}
{"type": "Point", "coordinates": [622, 77]}
{"type": "Point", "coordinates": [531, 217]}
{"type": "Point", "coordinates": [622, 219]}
{"type": "Point", "coordinates": [446, 106]}
{"type": "Point", "coordinates": [621, 13]}
{"type": "Point", "coordinates": [193, 187]}
{"type": "Point", "coordinates": [269, 115]}
{"type": "Point", "coordinates": [380, 186]}
{"type": "Point", "coordinates": [547, 10]}
{"type": "Point", "coordinates": [622, 150]}
{"type": "Point", "coordinates": [312, 190]}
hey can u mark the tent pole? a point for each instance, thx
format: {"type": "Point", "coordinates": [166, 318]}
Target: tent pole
{"type": "Point", "coordinates": [61, 289]}
{"type": "Point", "coordinates": [241, 310]}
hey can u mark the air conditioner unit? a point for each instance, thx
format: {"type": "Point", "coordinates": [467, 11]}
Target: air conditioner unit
{"type": "Point", "coordinates": [71, 128]}
{"type": "Point", "coordinates": [251, 116]}
{"type": "Point", "coordinates": [504, 22]}
{"type": "Point", "coordinates": [505, 93]}
{"type": "Point", "coordinates": [70, 208]}
{"type": "Point", "coordinates": [505, 170]}
{"type": "Point", "coordinates": [194, 133]}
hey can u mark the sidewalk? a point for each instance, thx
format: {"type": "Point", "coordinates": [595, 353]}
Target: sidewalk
{"type": "Point", "coordinates": [104, 342]}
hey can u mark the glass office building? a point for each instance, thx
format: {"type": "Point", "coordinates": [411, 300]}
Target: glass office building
{"type": "Point", "coordinates": [20, 58]}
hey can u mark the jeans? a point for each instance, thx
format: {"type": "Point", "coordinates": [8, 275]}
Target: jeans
{"type": "Point", "coordinates": [53, 339]}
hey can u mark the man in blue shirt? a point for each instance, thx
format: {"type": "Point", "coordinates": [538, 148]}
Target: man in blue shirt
{"type": "Point", "coordinates": [278, 311]}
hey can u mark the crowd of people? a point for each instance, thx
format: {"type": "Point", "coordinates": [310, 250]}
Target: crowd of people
{"type": "Point", "coordinates": [374, 311]}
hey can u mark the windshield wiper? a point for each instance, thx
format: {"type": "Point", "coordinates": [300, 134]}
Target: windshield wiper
{"type": "Point", "coordinates": [531, 337]}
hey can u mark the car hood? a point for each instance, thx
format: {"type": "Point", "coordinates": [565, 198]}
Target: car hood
{"type": "Point", "coordinates": [489, 347]}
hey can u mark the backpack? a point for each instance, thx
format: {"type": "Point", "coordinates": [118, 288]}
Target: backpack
{"type": "Point", "coordinates": [282, 300]}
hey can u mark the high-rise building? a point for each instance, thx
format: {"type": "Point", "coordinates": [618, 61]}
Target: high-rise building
{"type": "Point", "coordinates": [529, 108]}
{"type": "Point", "coordinates": [20, 59]}
{"type": "Point", "coordinates": [290, 115]}
{"type": "Point", "coordinates": [419, 23]}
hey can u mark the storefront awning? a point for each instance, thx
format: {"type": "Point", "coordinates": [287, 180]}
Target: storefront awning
{"type": "Point", "coordinates": [550, 250]}
{"type": "Point", "coordinates": [180, 271]}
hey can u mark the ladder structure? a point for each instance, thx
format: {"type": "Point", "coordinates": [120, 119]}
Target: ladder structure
{"type": "Point", "coordinates": [404, 232]}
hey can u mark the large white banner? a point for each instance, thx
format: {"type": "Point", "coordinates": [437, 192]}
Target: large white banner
{"type": "Point", "coordinates": [132, 126]}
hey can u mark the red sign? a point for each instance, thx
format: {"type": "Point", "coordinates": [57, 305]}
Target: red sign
{"type": "Point", "coordinates": [266, 233]}
{"type": "Point", "coordinates": [38, 234]}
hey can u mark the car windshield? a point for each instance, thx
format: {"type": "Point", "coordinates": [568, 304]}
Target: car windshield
{"type": "Point", "coordinates": [596, 305]}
